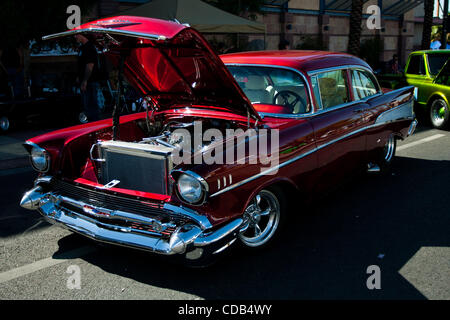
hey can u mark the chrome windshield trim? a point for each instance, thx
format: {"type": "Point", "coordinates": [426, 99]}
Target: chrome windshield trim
{"type": "Point", "coordinates": [305, 79]}
{"type": "Point", "coordinates": [106, 31]}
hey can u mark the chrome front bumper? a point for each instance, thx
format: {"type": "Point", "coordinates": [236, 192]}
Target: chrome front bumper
{"type": "Point", "coordinates": [190, 238]}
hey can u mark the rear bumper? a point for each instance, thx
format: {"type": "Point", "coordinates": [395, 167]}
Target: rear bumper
{"type": "Point", "coordinates": [188, 237]}
{"type": "Point", "coordinates": [412, 127]}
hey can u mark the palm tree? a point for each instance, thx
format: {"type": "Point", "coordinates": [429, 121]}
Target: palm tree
{"type": "Point", "coordinates": [355, 27]}
{"type": "Point", "coordinates": [427, 24]}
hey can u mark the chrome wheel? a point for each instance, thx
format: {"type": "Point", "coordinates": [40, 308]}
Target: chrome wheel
{"type": "Point", "coordinates": [4, 123]}
{"type": "Point", "coordinates": [262, 217]}
{"type": "Point", "coordinates": [389, 149]}
{"type": "Point", "coordinates": [439, 113]}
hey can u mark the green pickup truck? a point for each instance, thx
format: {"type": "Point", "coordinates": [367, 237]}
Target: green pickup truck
{"type": "Point", "coordinates": [429, 72]}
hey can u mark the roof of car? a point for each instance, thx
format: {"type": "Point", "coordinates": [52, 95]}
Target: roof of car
{"type": "Point", "coordinates": [304, 60]}
{"type": "Point", "coordinates": [431, 51]}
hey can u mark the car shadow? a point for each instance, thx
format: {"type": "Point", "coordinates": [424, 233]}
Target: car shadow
{"type": "Point", "coordinates": [325, 249]}
{"type": "Point", "coordinates": [15, 220]}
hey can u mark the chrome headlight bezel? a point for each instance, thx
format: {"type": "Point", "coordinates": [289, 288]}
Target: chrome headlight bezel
{"type": "Point", "coordinates": [39, 157]}
{"type": "Point", "coordinates": [189, 179]}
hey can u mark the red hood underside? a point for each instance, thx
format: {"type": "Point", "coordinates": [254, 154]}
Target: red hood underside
{"type": "Point", "coordinates": [168, 61]}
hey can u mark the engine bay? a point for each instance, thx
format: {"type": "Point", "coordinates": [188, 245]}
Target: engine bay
{"type": "Point", "coordinates": [185, 134]}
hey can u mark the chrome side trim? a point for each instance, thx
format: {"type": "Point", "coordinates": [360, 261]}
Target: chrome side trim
{"type": "Point", "coordinates": [242, 182]}
{"type": "Point", "coordinates": [106, 31]}
{"type": "Point", "coordinates": [286, 68]}
{"type": "Point", "coordinates": [403, 111]}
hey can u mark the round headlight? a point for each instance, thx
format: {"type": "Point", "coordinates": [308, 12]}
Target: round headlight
{"type": "Point", "coordinates": [39, 159]}
{"type": "Point", "coordinates": [190, 188]}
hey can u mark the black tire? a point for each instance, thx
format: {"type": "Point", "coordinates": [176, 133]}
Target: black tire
{"type": "Point", "coordinates": [439, 113]}
{"type": "Point", "coordinates": [265, 219]}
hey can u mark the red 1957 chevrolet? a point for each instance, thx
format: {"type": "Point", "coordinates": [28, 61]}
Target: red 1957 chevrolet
{"type": "Point", "coordinates": [223, 147]}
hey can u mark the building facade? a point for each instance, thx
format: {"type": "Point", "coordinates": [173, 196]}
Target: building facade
{"type": "Point", "coordinates": [322, 24]}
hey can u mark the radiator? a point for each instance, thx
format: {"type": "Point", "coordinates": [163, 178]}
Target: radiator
{"type": "Point", "coordinates": [141, 167]}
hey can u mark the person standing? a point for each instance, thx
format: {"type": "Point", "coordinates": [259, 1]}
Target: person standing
{"type": "Point", "coordinates": [435, 43]}
{"type": "Point", "coordinates": [393, 65]}
{"type": "Point", "coordinates": [283, 45]}
{"type": "Point", "coordinates": [88, 77]}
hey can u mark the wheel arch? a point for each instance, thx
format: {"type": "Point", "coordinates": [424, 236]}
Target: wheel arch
{"type": "Point", "coordinates": [282, 183]}
{"type": "Point", "coordinates": [436, 95]}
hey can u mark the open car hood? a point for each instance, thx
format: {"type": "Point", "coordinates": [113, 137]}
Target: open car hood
{"type": "Point", "coordinates": [169, 61]}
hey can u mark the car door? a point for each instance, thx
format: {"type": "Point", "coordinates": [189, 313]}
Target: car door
{"type": "Point", "coordinates": [417, 76]}
{"type": "Point", "coordinates": [338, 127]}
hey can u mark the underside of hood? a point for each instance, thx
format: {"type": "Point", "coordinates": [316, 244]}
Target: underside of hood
{"type": "Point", "coordinates": [168, 61]}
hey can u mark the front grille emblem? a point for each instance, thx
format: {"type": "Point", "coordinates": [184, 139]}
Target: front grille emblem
{"type": "Point", "coordinates": [92, 211]}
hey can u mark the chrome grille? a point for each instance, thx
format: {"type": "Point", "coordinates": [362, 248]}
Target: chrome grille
{"type": "Point", "coordinates": [114, 202]}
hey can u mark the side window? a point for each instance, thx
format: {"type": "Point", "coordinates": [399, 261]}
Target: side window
{"type": "Point", "coordinates": [362, 84]}
{"type": "Point", "coordinates": [416, 65]}
{"type": "Point", "coordinates": [333, 88]}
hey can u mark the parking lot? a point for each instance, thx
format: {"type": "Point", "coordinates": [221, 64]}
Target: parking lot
{"type": "Point", "coordinates": [400, 223]}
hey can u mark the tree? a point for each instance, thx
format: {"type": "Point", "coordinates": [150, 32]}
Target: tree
{"type": "Point", "coordinates": [427, 24]}
{"type": "Point", "coordinates": [355, 27]}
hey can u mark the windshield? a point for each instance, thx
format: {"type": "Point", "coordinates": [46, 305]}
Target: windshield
{"type": "Point", "coordinates": [436, 62]}
{"type": "Point", "coordinates": [444, 76]}
{"type": "Point", "coordinates": [282, 88]}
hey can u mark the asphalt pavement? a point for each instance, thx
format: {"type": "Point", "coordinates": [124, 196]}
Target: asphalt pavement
{"type": "Point", "coordinates": [399, 223]}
